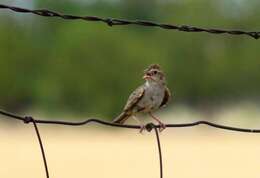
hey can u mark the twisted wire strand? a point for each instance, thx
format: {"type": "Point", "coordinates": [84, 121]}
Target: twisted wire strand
{"type": "Point", "coordinates": [149, 127]}
{"type": "Point", "coordinates": [112, 22]}
{"type": "Point", "coordinates": [115, 21]}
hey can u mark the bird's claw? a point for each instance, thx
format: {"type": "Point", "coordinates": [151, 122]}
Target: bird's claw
{"type": "Point", "coordinates": [142, 128]}
{"type": "Point", "coordinates": [162, 126]}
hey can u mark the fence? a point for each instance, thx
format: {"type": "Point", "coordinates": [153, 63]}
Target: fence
{"type": "Point", "coordinates": [150, 126]}
{"type": "Point", "coordinates": [113, 22]}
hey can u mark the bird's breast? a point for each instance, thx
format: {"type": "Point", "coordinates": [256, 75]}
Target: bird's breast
{"type": "Point", "coordinates": [152, 98]}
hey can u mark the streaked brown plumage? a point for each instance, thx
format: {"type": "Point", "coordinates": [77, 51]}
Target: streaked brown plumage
{"type": "Point", "coordinates": [149, 97]}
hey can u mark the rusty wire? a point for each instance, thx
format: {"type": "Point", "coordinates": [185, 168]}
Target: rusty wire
{"type": "Point", "coordinates": [149, 127]}
{"type": "Point", "coordinates": [113, 21]}
{"type": "Point", "coordinates": [41, 147]}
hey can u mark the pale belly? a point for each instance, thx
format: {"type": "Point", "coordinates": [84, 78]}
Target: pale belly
{"type": "Point", "coordinates": [152, 99]}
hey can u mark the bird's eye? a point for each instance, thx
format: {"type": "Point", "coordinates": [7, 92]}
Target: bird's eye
{"type": "Point", "coordinates": [154, 72]}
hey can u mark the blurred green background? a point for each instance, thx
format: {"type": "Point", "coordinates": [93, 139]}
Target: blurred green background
{"type": "Point", "coordinates": [56, 69]}
{"type": "Point", "coordinates": [55, 66]}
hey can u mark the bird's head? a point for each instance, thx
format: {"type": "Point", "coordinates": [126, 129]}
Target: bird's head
{"type": "Point", "coordinates": [154, 74]}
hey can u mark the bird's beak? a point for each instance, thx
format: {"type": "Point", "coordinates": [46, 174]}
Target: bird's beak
{"type": "Point", "coordinates": [146, 77]}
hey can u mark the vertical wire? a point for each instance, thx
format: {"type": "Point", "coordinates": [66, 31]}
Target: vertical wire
{"type": "Point", "coordinates": [42, 148]}
{"type": "Point", "coordinates": [159, 151]}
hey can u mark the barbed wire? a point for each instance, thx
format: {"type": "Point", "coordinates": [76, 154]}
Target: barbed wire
{"type": "Point", "coordinates": [113, 22]}
{"type": "Point", "coordinates": [149, 127]}
{"type": "Point", "coordinates": [29, 119]}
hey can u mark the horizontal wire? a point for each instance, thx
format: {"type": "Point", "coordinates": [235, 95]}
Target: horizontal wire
{"type": "Point", "coordinates": [149, 126]}
{"type": "Point", "coordinates": [29, 119]}
{"type": "Point", "coordinates": [114, 21]}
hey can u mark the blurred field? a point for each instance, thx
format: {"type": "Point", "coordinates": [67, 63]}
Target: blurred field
{"type": "Point", "coordinates": [55, 69]}
{"type": "Point", "coordinates": [96, 151]}
{"type": "Point", "coordinates": [59, 66]}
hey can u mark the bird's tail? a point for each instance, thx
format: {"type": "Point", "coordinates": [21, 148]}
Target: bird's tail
{"type": "Point", "coordinates": [121, 118]}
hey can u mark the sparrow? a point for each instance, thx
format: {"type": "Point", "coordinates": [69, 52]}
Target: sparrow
{"type": "Point", "coordinates": [147, 98]}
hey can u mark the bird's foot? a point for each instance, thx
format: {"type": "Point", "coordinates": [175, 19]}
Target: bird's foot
{"type": "Point", "coordinates": [162, 126]}
{"type": "Point", "coordinates": [142, 128]}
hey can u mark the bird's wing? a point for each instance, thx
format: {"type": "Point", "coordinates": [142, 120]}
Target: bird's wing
{"type": "Point", "coordinates": [166, 98]}
{"type": "Point", "coordinates": [134, 98]}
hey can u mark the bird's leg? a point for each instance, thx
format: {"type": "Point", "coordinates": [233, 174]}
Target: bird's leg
{"type": "Point", "coordinates": [142, 126]}
{"type": "Point", "coordinates": [162, 125]}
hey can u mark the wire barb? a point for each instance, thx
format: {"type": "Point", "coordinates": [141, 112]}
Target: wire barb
{"type": "Point", "coordinates": [28, 119]}
{"type": "Point", "coordinates": [149, 127]}
{"type": "Point", "coordinates": [112, 21]}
